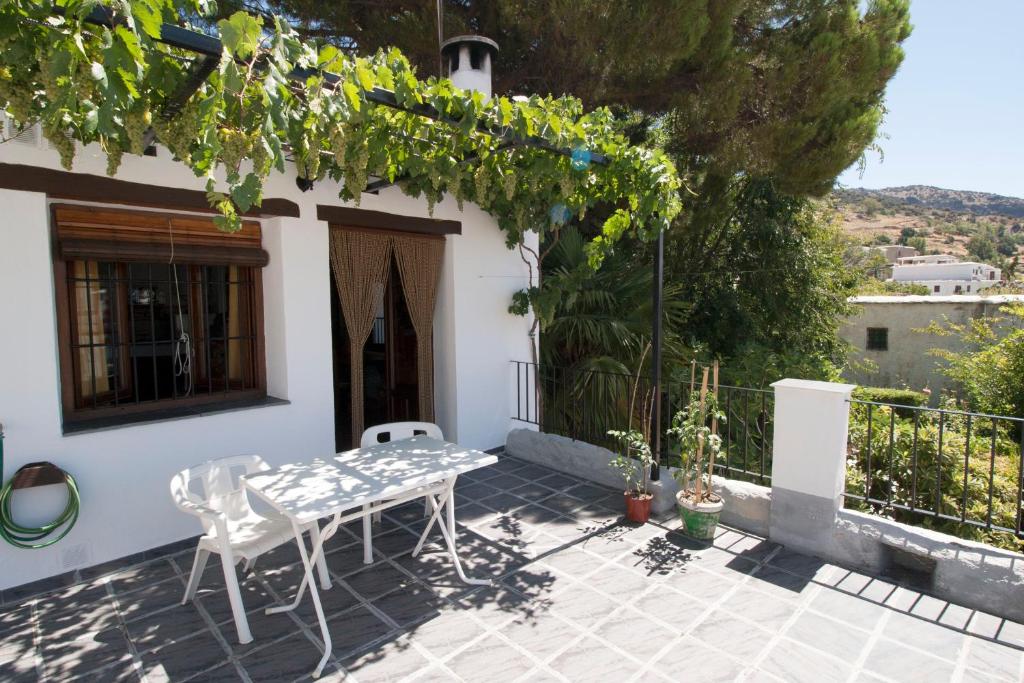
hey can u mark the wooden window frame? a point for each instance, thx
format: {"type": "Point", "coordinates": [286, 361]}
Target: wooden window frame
{"type": "Point", "coordinates": [131, 411]}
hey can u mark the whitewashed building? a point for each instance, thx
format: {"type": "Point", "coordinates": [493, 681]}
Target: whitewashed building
{"type": "Point", "coordinates": [945, 275]}
{"type": "Point", "coordinates": [140, 340]}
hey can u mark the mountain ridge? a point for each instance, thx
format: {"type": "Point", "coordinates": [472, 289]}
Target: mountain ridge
{"type": "Point", "coordinates": [938, 198]}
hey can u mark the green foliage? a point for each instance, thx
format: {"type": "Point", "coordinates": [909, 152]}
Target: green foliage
{"type": "Point", "coordinates": [768, 285]}
{"type": "Point", "coordinates": [869, 286]}
{"type": "Point", "coordinates": [981, 248]}
{"type": "Point", "coordinates": [909, 470]}
{"type": "Point", "coordinates": [695, 433]}
{"type": "Point", "coordinates": [635, 464]}
{"type": "Point", "coordinates": [918, 242]}
{"type": "Point", "coordinates": [990, 369]}
{"type": "Point", "coordinates": [97, 84]}
{"type": "Point", "coordinates": [903, 397]}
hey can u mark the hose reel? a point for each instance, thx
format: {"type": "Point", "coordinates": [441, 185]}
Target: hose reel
{"type": "Point", "coordinates": [30, 476]}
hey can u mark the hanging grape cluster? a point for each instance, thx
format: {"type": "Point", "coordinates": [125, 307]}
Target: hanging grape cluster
{"type": "Point", "coordinates": [111, 86]}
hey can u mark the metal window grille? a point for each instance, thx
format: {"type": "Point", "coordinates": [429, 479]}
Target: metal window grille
{"type": "Point", "coordinates": [140, 335]}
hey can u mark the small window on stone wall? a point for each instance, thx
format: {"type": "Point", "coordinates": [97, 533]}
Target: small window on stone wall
{"type": "Point", "coordinates": [878, 339]}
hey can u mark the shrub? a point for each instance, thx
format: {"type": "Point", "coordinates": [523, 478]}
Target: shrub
{"type": "Point", "coordinates": [932, 466]}
{"type": "Point", "coordinates": [902, 397]}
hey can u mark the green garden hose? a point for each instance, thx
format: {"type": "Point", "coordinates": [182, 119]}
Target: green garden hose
{"type": "Point", "coordinates": [36, 473]}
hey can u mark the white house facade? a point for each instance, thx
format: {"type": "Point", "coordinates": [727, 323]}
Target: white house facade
{"type": "Point", "coordinates": [944, 275]}
{"type": "Point", "coordinates": [123, 466]}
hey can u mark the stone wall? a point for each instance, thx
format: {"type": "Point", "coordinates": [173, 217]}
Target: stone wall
{"type": "Point", "coordinates": [746, 505]}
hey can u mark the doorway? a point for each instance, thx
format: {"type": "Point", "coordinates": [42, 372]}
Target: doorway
{"type": "Point", "coordinates": [390, 386]}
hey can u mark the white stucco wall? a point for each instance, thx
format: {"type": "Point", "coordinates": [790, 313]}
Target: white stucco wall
{"type": "Point", "coordinates": [123, 473]}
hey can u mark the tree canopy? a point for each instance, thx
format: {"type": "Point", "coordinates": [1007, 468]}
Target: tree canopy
{"type": "Point", "coordinates": [791, 89]}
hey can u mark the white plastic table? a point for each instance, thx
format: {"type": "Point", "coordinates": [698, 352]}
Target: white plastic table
{"type": "Point", "coordinates": [359, 483]}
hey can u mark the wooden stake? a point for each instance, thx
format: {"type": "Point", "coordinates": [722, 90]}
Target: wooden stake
{"type": "Point", "coordinates": [714, 431]}
{"type": "Point", "coordinates": [699, 491]}
{"type": "Point", "coordinates": [693, 373]}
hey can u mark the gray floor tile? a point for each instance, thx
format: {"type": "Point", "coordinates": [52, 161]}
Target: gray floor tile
{"type": "Point", "coordinates": [406, 606]}
{"type": "Point", "coordinates": [656, 602]}
{"type": "Point", "coordinates": [584, 658]}
{"type": "Point", "coordinates": [74, 610]}
{"type": "Point", "coordinates": [391, 661]}
{"type": "Point", "coordinates": [691, 660]}
{"type": "Point", "coordinates": [836, 638]}
{"type": "Point", "coordinates": [354, 630]}
{"type": "Point", "coordinates": [557, 481]}
{"type": "Point", "coordinates": [184, 658]}
{"type": "Point", "coordinates": [764, 610]}
{"type": "Point", "coordinates": [675, 610]}
{"type": "Point", "coordinates": [848, 608]}
{"type": "Point", "coordinates": [634, 632]}
{"type": "Point", "coordinates": [490, 659]}
{"type": "Point", "coordinates": [285, 660]}
{"type": "Point", "coordinates": [74, 656]}
{"type": "Point", "coordinates": [730, 634]}
{"type": "Point", "coordinates": [583, 605]}
{"type": "Point", "coordinates": [445, 633]}
{"type": "Point", "coordinates": [18, 655]}
{"type": "Point", "coordinates": [165, 627]}
{"type": "Point", "coordinates": [376, 580]}
{"type": "Point", "coordinates": [541, 635]}
{"type": "Point", "coordinates": [993, 659]}
{"type": "Point", "coordinates": [926, 635]}
{"type": "Point", "coordinates": [892, 660]}
{"type": "Point", "coordinates": [795, 662]}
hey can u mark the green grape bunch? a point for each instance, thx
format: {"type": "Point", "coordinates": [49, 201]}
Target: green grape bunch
{"type": "Point", "coordinates": [136, 122]}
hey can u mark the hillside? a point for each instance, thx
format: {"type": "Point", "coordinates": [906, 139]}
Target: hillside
{"type": "Point", "coordinates": [959, 222]}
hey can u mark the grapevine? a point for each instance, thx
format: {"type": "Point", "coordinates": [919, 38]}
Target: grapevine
{"type": "Point", "coordinates": [110, 86]}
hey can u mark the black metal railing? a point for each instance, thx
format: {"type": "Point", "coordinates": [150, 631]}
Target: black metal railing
{"type": "Point", "coordinates": [956, 471]}
{"type": "Point", "coordinates": [585, 404]}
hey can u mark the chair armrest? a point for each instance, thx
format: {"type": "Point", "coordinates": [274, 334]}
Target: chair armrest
{"type": "Point", "coordinates": [199, 510]}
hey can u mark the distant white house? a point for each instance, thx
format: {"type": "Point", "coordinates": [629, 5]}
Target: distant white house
{"type": "Point", "coordinates": [945, 275]}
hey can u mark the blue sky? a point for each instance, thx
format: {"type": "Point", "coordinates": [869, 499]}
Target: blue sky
{"type": "Point", "coordinates": [956, 106]}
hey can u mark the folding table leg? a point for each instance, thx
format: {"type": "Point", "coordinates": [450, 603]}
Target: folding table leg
{"type": "Point", "coordinates": [316, 558]}
{"type": "Point", "coordinates": [310, 581]}
{"type": "Point", "coordinates": [447, 525]}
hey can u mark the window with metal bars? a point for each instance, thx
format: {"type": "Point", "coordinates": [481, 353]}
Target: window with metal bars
{"type": "Point", "coordinates": [148, 336]}
{"type": "Point", "coordinates": [878, 339]}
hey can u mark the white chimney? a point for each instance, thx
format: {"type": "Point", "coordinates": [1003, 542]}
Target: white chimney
{"type": "Point", "coordinates": [468, 61]}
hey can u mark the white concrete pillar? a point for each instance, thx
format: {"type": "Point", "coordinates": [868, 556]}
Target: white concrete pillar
{"type": "Point", "coordinates": [808, 462]}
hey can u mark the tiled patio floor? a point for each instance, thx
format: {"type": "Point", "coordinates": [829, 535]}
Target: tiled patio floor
{"type": "Point", "coordinates": [582, 597]}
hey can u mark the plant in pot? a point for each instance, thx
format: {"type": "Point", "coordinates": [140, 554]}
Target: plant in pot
{"type": "Point", "coordinates": [695, 427]}
{"type": "Point", "coordinates": [634, 465]}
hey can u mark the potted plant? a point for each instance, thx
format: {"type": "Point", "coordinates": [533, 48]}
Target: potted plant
{"type": "Point", "coordinates": [634, 465]}
{"type": "Point", "coordinates": [696, 429]}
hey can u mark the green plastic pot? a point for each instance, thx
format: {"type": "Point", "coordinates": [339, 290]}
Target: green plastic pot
{"type": "Point", "coordinates": [700, 520]}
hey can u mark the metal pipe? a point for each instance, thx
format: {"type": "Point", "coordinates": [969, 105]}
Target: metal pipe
{"type": "Point", "coordinates": [659, 283]}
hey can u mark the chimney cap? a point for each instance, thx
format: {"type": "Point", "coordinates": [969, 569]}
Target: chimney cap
{"type": "Point", "coordinates": [454, 42]}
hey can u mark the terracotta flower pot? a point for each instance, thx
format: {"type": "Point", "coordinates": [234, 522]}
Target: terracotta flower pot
{"type": "Point", "coordinates": [699, 519]}
{"type": "Point", "coordinates": [638, 506]}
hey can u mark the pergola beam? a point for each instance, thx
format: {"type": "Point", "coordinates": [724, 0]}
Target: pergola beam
{"type": "Point", "coordinates": [212, 48]}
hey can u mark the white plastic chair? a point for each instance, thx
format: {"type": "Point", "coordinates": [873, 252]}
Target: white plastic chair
{"type": "Point", "coordinates": [395, 431]}
{"type": "Point", "coordinates": [232, 528]}
{"type": "Point", "coordinates": [385, 433]}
